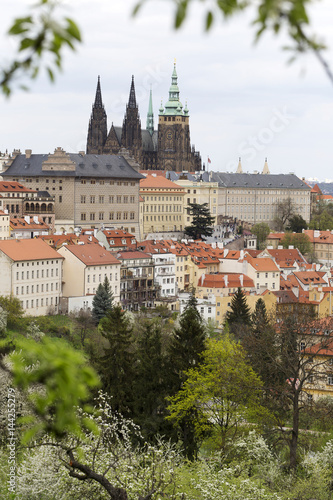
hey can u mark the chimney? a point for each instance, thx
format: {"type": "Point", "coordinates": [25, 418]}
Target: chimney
{"type": "Point", "coordinates": [225, 252]}
{"type": "Point", "coordinates": [241, 279]}
{"type": "Point", "coordinates": [291, 247]}
{"type": "Point", "coordinates": [316, 234]}
{"type": "Point", "coordinates": [27, 219]}
{"type": "Point", "coordinates": [241, 254]}
{"type": "Point", "coordinates": [202, 278]}
{"type": "Point", "coordinates": [28, 153]}
{"type": "Point", "coordinates": [35, 219]}
{"type": "Point", "coordinates": [225, 277]}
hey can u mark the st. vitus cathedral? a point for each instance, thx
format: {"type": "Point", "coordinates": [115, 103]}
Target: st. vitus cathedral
{"type": "Point", "coordinates": [167, 148]}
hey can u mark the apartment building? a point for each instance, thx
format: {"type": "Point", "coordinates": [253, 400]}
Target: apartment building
{"type": "Point", "coordinates": [85, 267]}
{"type": "Point", "coordinates": [116, 239]}
{"type": "Point", "coordinates": [4, 225]}
{"type": "Point", "coordinates": [31, 271]}
{"type": "Point", "coordinates": [162, 207]}
{"type": "Point", "coordinates": [137, 284]}
{"type": "Point", "coordinates": [28, 227]}
{"type": "Point", "coordinates": [90, 190]}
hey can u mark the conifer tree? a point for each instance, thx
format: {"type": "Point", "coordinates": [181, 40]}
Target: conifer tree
{"type": "Point", "coordinates": [102, 301]}
{"type": "Point", "coordinates": [201, 222]}
{"type": "Point", "coordinates": [150, 386]}
{"type": "Point", "coordinates": [185, 351]}
{"type": "Point", "coordinates": [116, 366]}
{"type": "Point", "coordinates": [239, 316]}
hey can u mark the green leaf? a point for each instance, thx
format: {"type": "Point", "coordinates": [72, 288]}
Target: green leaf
{"type": "Point", "coordinates": [209, 20]}
{"type": "Point", "coordinates": [73, 29]}
{"type": "Point", "coordinates": [181, 13]}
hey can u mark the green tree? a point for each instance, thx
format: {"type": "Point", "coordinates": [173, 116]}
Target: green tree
{"type": "Point", "coordinates": [300, 241]}
{"type": "Point", "coordinates": [150, 384]}
{"type": "Point", "coordinates": [102, 301]}
{"type": "Point", "coordinates": [116, 366]}
{"type": "Point", "coordinates": [322, 221]}
{"type": "Point", "coordinates": [185, 351]}
{"type": "Point", "coordinates": [12, 306]}
{"type": "Point", "coordinates": [239, 315]}
{"type": "Point", "coordinates": [296, 224]}
{"type": "Point", "coordinates": [201, 222]}
{"type": "Point", "coordinates": [285, 209]}
{"type": "Point", "coordinates": [261, 230]}
{"type": "Point", "coordinates": [223, 389]}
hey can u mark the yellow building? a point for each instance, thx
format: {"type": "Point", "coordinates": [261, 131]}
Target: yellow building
{"type": "Point", "coordinates": [162, 205]}
{"type": "Point", "coordinates": [199, 192]}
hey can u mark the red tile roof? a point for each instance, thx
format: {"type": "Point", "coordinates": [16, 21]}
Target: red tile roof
{"type": "Point", "coordinates": [14, 187]}
{"type": "Point", "coordinates": [218, 280]}
{"type": "Point", "coordinates": [92, 254]}
{"type": "Point", "coordinates": [153, 181]}
{"type": "Point", "coordinates": [28, 249]}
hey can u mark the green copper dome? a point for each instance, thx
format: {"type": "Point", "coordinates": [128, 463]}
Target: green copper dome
{"type": "Point", "coordinates": [173, 107]}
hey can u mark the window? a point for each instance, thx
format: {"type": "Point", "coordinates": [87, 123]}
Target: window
{"type": "Point", "coordinates": [132, 215]}
{"type": "Point", "coordinates": [101, 216]}
{"type": "Point", "coordinates": [111, 216]}
{"type": "Point", "coordinates": [83, 199]}
{"type": "Point", "coordinates": [83, 216]}
{"type": "Point", "coordinates": [118, 199]}
{"type": "Point", "coordinates": [92, 216]}
{"type": "Point", "coordinates": [118, 215]}
{"type": "Point", "coordinates": [60, 199]}
{"type": "Point", "coordinates": [101, 199]}
{"type": "Point", "coordinates": [266, 275]}
{"type": "Point", "coordinates": [330, 379]}
{"type": "Point", "coordinates": [92, 199]}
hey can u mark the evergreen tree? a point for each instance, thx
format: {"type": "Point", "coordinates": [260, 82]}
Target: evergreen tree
{"type": "Point", "coordinates": [201, 222]}
{"type": "Point", "coordinates": [102, 301]}
{"type": "Point", "coordinates": [150, 386]}
{"type": "Point", "coordinates": [239, 316]}
{"type": "Point", "coordinates": [185, 351]}
{"type": "Point", "coordinates": [116, 366]}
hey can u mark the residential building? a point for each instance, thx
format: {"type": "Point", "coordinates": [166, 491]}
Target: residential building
{"type": "Point", "coordinates": [85, 267]}
{"type": "Point", "coordinates": [137, 284]}
{"type": "Point", "coordinates": [116, 239]}
{"type": "Point", "coordinates": [89, 190]}
{"type": "Point", "coordinates": [28, 227]}
{"type": "Point", "coordinates": [4, 225]}
{"type": "Point", "coordinates": [162, 205]}
{"type": "Point", "coordinates": [32, 272]}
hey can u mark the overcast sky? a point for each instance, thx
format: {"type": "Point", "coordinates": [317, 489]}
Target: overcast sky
{"type": "Point", "coordinates": [244, 100]}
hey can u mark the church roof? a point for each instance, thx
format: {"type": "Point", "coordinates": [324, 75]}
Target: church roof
{"type": "Point", "coordinates": [149, 142]}
{"type": "Point", "coordinates": [87, 165]}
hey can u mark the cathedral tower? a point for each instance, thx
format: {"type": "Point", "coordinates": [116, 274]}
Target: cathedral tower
{"type": "Point", "coordinates": [174, 146]}
{"type": "Point", "coordinates": [131, 137]}
{"type": "Point", "coordinates": [97, 131]}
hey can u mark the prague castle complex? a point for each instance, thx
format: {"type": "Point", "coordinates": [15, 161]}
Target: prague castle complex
{"type": "Point", "coordinates": [167, 148]}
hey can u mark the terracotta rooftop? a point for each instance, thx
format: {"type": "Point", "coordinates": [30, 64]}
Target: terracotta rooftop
{"type": "Point", "coordinates": [129, 255]}
{"type": "Point", "coordinates": [14, 187]}
{"type": "Point", "coordinates": [21, 223]}
{"type": "Point", "coordinates": [225, 280]}
{"type": "Point", "coordinates": [152, 181]}
{"type": "Point", "coordinates": [93, 254]}
{"type": "Point", "coordinates": [307, 277]}
{"type": "Point", "coordinates": [28, 249]}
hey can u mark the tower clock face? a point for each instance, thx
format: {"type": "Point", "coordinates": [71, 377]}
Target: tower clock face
{"type": "Point", "coordinates": [169, 135]}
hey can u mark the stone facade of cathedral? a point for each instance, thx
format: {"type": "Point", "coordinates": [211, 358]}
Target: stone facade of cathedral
{"type": "Point", "coordinates": [167, 148]}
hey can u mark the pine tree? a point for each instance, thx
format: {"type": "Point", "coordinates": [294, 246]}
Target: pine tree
{"type": "Point", "coordinates": [102, 301]}
{"type": "Point", "coordinates": [201, 222]}
{"type": "Point", "coordinates": [185, 351]}
{"type": "Point", "coordinates": [116, 366]}
{"type": "Point", "coordinates": [239, 316]}
{"type": "Point", "coordinates": [150, 387]}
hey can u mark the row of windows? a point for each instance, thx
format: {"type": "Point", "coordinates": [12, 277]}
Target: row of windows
{"type": "Point", "coordinates": [36, 288]}
{"type": "Point", "coordinates": [112, 216]}
{"type": "Point", "coordinates": [93, 291]}
{"type": "Point", "coordinates": [267, 274]}
{"type": "Point", "coordinates": [103, 199]}
{"type": "Point", "coordinates": [161, 198]}
{"type": "Point", "coordinates": [94, 276]}
{"type": "Point", "coordinates": [111, 183]}
{"type": "Point", "coordinates": [26, 274]}
{"type": "Point", "coordinates": [168, 208]}
{"type": "Point", "coordinates": [35, 303]}
{"type": "Point", "coordinates": [161, 217]}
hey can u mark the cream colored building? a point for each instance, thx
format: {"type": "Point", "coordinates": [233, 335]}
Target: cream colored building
{"type": "Point", "coordinates": [4, 225]}
{"type": "Point", "coordinates": [162, 206]}
{"type": "Point", "coordinates": [89, 190]}
{"type": "Point", "coordinates": [31, 271]}
{"type": "Point", "coordinates": [199, 192]}
{"type": "Point", "coordinates": [85, 267]}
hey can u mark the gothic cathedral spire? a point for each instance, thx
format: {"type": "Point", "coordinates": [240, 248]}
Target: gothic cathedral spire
{"type": "Point", "coordinates": [97, 131]}
{"type": "Point", "coordinates": [131, 137]}
{"type": "Point", "coordinates": [150, 115]}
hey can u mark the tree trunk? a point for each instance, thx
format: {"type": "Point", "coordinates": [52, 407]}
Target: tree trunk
{"type": "Point", "coordinates": [294, 433]}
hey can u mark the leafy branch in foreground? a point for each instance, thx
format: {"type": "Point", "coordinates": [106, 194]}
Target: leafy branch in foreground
{"type": "Point", "coordinates": [39, 34]}
{"type": "Point", "coordinates": [275, 16]}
